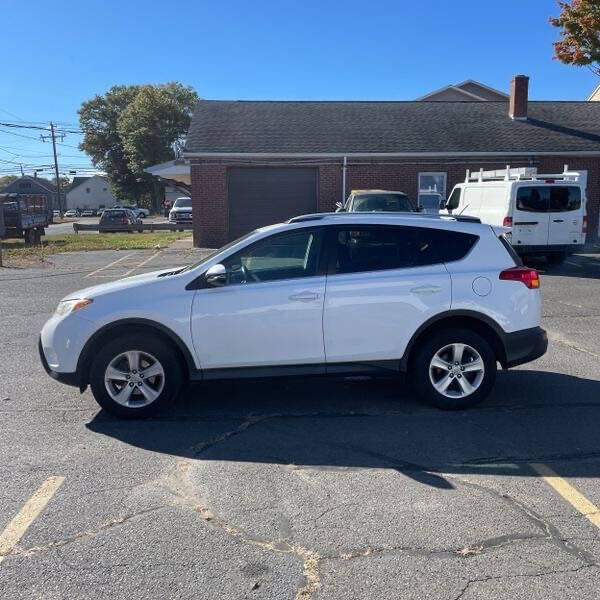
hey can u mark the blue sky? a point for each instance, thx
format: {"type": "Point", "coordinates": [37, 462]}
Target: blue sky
{"type": "Point", "coordinates": [57, 54]}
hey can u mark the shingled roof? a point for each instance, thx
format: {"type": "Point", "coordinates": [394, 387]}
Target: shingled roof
{"type": "Point", "coordinates": [414, 128]}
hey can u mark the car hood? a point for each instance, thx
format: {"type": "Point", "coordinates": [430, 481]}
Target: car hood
{"type": "Point", "coordinates": [119, 285]}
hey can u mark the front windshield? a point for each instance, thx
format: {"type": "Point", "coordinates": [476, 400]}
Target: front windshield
{"type": "Point", "coordinates": [381, 203]}
{"type": "Point", "coordinates": [183, 203]}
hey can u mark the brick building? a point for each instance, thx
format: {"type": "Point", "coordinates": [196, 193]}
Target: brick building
{"type": "Point", "coordinates": [259, 162]}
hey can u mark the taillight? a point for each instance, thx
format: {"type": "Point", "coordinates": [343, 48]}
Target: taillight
{"type": "Point", "coordinates": [584, 225]}
{"type": "Point", "coordinates": [529, 277]}
{"type": "Point", "coordinates": [507, 222]}
{"type": "Point", "coordinates": [125, 221]}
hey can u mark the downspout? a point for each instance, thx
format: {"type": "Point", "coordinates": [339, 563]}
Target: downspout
{"type": "Point", "coordinates": [344, 181]}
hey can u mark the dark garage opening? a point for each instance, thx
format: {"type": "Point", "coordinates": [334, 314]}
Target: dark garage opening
{"type": "Point", "coordinates": [262, 196]}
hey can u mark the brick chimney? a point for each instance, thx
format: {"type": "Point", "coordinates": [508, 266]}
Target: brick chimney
{"type": "Point", "coordinates": [517, 104]}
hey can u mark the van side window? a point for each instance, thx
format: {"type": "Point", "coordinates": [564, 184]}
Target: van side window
{"type": "Point", "coordinates": [548, 198]}
{"type": "Point", "coordinates": [454, 199]}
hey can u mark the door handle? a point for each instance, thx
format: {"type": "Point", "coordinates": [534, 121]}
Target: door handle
{"type": "Point", "coordinates": [426, 289]}
{"type": "Point", "coordinates": [559, 220]}
{"type": "Point", "coordinates": [304, 296]}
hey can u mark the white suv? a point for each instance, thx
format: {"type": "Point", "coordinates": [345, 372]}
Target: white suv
{"type": "Point", "coordinates": [442, 299]}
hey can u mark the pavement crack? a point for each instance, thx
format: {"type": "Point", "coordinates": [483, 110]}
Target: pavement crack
{"type": "Point", "coordinates": [470, 582]}
{"type": "Point", "coordinates": [549, 531]}
{"type": "Point", "coordinates": [80, 535]}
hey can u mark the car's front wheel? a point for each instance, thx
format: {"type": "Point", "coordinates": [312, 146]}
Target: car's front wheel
{"type": "Point", "coordinates": [135, 375]}
{"type": "Point", "coordinates": [454, 369]}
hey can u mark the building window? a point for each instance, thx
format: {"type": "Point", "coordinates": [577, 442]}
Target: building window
{"type": "Point", "coordinates": [24, 185]}
{"type": "Point", "coordinates": [88, 190]}
{"type": "Point", "coordinates": [431, 184]}
{"type": "Point", "coordinates": [104, 189]}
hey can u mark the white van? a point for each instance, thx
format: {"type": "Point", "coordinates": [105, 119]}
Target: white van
{"type": "Point", "coordinates": [546, 213]}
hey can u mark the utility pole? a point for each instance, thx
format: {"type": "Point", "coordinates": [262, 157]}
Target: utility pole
{"type": "Point", "coordinates": [53, 136]}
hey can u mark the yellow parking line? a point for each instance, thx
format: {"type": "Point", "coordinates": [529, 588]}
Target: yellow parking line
{"type": "Point", "coordinates": [142, 263]}
{"type": "Point", "coordinates": [108, 265]}
{"type": "Point", "coordinates": [569, 493]}
{"type": "Point", "coordinates": [33, 507]}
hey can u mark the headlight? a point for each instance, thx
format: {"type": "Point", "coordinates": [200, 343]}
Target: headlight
{"type": "Point", "coordinates": [68, 306]}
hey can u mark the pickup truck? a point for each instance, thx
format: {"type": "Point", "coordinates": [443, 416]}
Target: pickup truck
{"type": "Point", "coordinates": [24, 216]}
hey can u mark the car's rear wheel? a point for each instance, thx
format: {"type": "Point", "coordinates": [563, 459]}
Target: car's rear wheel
{"type": "Point", "coordinates": [135, 375]}
{"type": "Point", "coordinates": [453, 369]}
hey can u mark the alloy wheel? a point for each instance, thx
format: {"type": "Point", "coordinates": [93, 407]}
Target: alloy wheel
{"type": "Point", "coordinates": [134, 379]}
{"type": "Point", "coordinates": [456, 370]}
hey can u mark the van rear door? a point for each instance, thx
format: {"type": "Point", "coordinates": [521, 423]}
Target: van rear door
{"type": "Point", "coordinates": [566, 215]}
{"type": "Point", "coordinates": [531, 216]}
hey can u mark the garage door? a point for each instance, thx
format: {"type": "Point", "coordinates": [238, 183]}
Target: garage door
{"type": "Point", "coordinates": [262, 196]}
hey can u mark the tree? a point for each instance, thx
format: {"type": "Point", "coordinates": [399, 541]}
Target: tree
{"type": "Point", "coordinates": [133, 127]}
{"type": "Point", "coordinates": [579, 22]}
{"type": "Point", "coordinates": [7, 180]}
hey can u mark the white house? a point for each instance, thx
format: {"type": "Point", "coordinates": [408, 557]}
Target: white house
{"type": "Point", "coordinates": [90, 192]}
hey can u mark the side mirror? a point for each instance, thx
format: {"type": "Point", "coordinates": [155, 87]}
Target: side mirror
{"type": "Point", "coordinates": [216, 275]}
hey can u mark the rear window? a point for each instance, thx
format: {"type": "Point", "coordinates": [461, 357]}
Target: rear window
{"type": "Point", "coordinates": [548, 198]}
{"type": "Point", "coordinates": [113, 214]}
{"type": "Point", "coordinates": [381, 202]}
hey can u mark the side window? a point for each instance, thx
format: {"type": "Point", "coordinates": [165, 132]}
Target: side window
{"type": "Point", "coordinates": [452, 245]}
{"type": "Point", "coordinates": [281, 256]}
{"type": "Point", "coordinates": [359, 249]}
{"type": "Point", "coordinates": [454, 199]}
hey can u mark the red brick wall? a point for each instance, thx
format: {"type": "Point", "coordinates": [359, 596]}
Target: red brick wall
{"type": "Point", "coordinates": [330, 187]}
{"type": "Point", "coordinates": [209, 187]}
{"type": "Point", "coordinates": [209, 205]}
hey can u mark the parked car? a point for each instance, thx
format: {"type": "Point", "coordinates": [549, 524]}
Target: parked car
{"type": "Point", "coordinates": [441, 299]}
{"type": "Point", "coordinates": [141, 213]}
{"type": "Point", "coordinates": [547, 213]}
{"type": "Point", "coordinates": [430, 202]}
{"type": "Point", "coordinates": [181, 211]}
{"type": "Point", "coordinates": [56, 213]}
{"type": "Point", "coordinates": [87, 213]}
{"type": "Point", "coordinates": [376, 201]}
{"type": "Point", "coordinates": [72, 213]}
{"type": "Point", "coordinates": [119, 219]}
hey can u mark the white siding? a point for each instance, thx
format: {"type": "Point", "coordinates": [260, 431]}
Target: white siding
{"type": "Point", "coordinates": [94, 193]}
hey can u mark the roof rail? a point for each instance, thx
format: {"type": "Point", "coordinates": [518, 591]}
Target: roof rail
{"type": "Point", "coordinates": [521, 174]}
{"type": "Point", "coordinates": [302, 218]}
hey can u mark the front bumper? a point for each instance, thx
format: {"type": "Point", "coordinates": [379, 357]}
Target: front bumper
{"type": "Point", "coordinates": [66, 378]}
{"type": "Point", "coordinates": [524, 346]}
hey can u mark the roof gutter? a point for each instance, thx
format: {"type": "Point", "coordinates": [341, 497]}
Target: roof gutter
{"type": "Point", "coordinates": [341, 155]}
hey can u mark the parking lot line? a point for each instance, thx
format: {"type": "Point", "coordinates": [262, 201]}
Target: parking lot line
{"type": "Point", "coordinates": [108, 265]}
{"type": "Point", "coordinates": [33, 507]}
{"type": "Point", "coordinates": [569, 493]}
{"type": "Point", "coordinates": [142, 263]}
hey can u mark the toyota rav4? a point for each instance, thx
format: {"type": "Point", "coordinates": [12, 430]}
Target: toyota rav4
{"type": "Point", "coordinates": [441, 299]}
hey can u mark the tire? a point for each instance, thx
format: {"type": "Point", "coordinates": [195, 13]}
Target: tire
{"type": "Point", "coordinates": [440, 347]}
{"type": "Point", "coordinates": [556, 258]}
{"type": "Point", "coordinates": [154, 393]}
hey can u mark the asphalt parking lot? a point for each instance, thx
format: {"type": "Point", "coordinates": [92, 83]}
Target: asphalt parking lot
{"type": "Point", "coordinates": [306, 489]}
